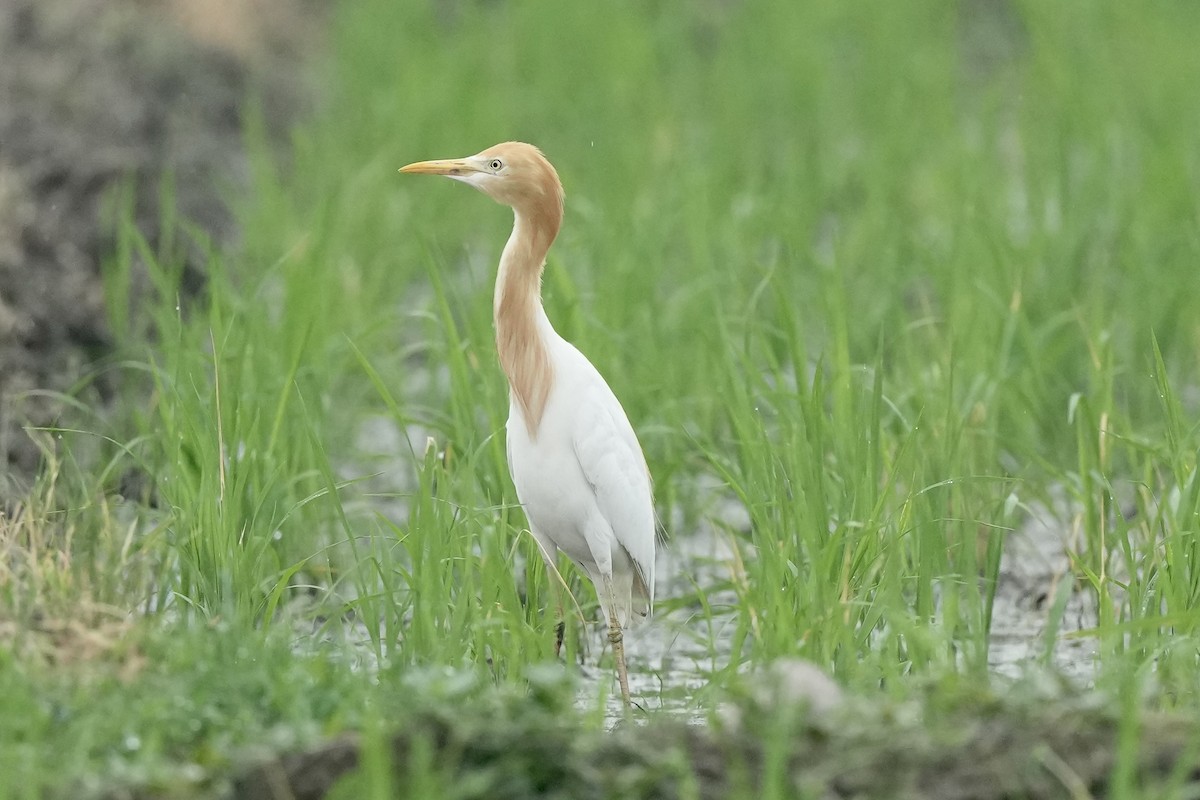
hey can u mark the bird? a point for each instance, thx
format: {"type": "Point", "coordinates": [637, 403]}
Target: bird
{"type": "Point", "coordinates": [577, 466]}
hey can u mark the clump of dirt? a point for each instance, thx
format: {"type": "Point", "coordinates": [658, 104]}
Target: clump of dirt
{"type": "Point", "coordinates": [94, 93]}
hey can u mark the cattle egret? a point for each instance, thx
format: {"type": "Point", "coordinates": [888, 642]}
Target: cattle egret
{"type": "Point", "coordinates": [579, 471]}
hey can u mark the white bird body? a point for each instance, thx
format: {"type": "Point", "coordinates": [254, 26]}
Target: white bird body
{"type": "Point", "coordinates": [576, 463]}
{"type": "Point", "coordinates": [584, 484]}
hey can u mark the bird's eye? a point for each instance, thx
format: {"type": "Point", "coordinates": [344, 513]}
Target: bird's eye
{"type": "Point", "coordinates": [496, 164]}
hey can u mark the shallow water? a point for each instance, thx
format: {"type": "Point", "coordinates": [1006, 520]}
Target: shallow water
{"type": "Point", "coordinates": [1034, 574]}
{"type": "Point", "coordinates": [671, 656]}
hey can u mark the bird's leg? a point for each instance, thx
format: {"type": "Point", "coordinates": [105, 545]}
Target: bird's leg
{"type": "Point", "coordinates": [556, 591]}
{"type": "Point", "coordinates": [616, 637]}
{"type": "Point", "coordinates": [557, 587]}
{"type": "Point", "coordinates": [560, 628]}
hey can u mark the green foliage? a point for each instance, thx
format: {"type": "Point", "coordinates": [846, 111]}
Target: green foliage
{"type": "Point", "coordinates": [889, 276]}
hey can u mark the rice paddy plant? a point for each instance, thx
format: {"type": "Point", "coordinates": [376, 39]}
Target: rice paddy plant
{"type": "Point", "coordinates": [878, 369]}
{"type": "Point", "coordinates": [892, 278]}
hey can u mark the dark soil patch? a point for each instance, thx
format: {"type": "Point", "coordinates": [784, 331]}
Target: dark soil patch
{"type": "Point", "coordinates": [94, 93]}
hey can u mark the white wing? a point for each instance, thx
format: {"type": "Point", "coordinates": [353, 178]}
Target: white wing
{"type": "Point", "coordinates": [613, 463]}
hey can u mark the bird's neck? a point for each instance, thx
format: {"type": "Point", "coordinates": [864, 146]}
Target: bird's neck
{"type": "Point", "coordinates": [522, 329]}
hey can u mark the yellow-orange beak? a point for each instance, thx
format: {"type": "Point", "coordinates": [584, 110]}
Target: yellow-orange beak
{"type": "Point", "coordinates": [451, 167]}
